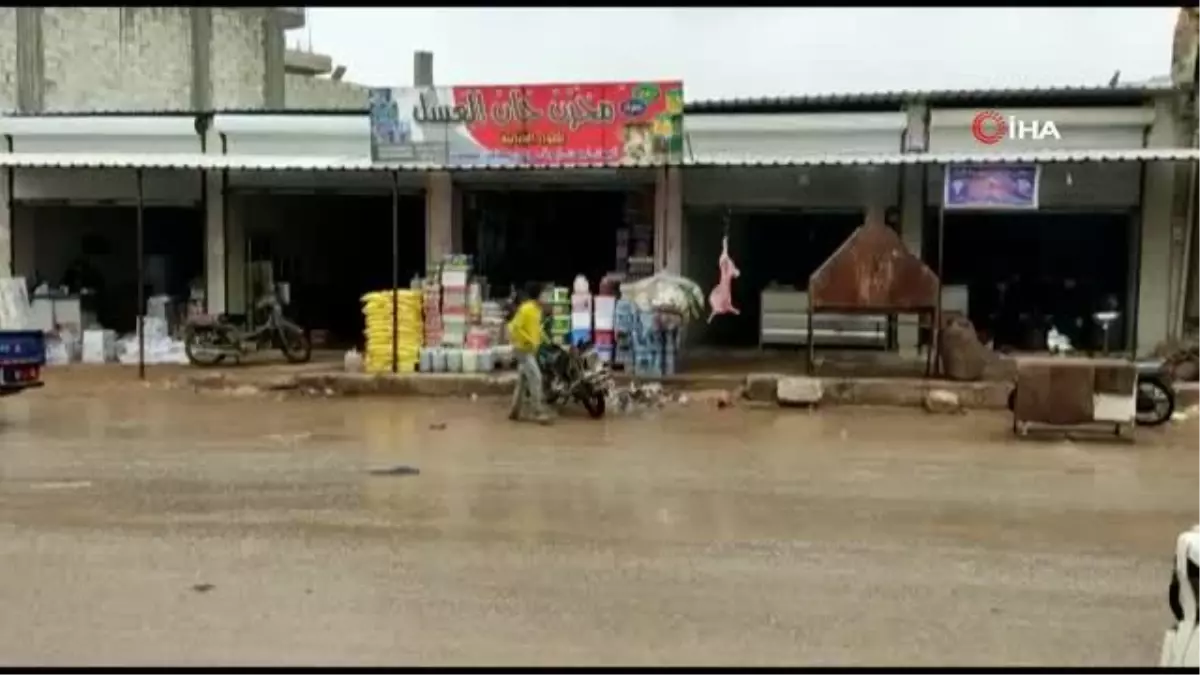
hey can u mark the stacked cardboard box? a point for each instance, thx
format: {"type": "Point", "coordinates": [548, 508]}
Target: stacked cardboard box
{"type": "Point", "coordinates": [455, 278]}
{"type": "Point", "coordinates": [431, 302]}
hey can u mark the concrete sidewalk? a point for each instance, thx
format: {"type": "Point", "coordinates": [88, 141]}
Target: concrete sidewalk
{"type": "Point", "coordinates": [326, 379]}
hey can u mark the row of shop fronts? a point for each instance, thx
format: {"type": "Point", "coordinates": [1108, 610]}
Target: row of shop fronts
{"type": "Point", "coordinates": [786, 182]}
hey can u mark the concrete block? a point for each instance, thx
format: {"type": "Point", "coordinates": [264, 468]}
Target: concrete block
{"type": "Point", "coordinates": [942, 401]}
{"type": "Point", "coordinates": [117, 58]}
{"type": "Point", "coordinates": [761, 387]}
{"type": "Point", "coordinates": [798, 391]}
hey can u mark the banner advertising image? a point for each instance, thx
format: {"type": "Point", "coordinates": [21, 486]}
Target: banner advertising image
{"type": "Point", "coordinates": [545, 124]}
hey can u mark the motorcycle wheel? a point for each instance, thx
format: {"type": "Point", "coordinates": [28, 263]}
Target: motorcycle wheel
{"type": "Point", "coordinates": [294, 343]}
{"type": "Point", "coordinates": [1160, 399]}
{"type": "Point", "coordinates": [199, 344]}
{"type": "Point", "coordinates": [594, 404]}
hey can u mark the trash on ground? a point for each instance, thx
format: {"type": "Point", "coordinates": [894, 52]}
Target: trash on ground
{"type": "Point", "coordinates": [399, 470]}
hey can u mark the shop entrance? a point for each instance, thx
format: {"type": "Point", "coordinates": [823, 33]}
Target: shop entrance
{"type": "Point", "coordinates": [332, 249]}
{"type": "Point", "coordinates": [551, 234]}
{"type": "Point", "coordinates": [96, 247]}
{"type": "Point", "coordinates": [1026, 272]}
{"type": "Point", "coordinates": [772, 248]}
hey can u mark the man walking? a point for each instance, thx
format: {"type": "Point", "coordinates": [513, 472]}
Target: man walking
{"type": "Point", "coordinates": [525, 333]}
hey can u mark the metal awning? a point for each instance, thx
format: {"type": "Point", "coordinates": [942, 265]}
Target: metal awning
{"type": "Point", "coordinates": [1128, 94]}
{"type": "Point", "coordinates": [941, 158]}
{"type": "Point", "coordinates": [199, 162]}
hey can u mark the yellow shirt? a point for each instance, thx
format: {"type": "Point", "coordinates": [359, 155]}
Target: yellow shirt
{"type": "Point", "coordinates": [525, 329]}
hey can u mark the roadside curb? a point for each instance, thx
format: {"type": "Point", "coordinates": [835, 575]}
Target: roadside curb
{"type": "Point", "coordinates": [758, 387]}
{"type": "Point", "coordinates": [755, 387]}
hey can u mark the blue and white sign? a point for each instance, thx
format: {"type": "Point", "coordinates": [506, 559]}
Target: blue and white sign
{"type": "Point", "coordinates": [991, 188]}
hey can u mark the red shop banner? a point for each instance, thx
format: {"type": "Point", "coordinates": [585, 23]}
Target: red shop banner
{"type": "Point", "coordinates": [547, 124]}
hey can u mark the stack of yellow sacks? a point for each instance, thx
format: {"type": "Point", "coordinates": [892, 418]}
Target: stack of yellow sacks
{"type": "Point", "coordinates": [377, 309]}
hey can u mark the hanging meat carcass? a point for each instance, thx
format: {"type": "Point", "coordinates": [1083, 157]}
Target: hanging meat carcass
{"type": "Point", "coordinates": [721, 297]}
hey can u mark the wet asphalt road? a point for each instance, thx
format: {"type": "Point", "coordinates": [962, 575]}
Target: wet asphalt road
{"type": "Point", "coordinates": [165, 527]}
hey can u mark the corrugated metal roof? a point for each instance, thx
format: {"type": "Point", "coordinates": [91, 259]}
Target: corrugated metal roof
{"type": "Point", "coordinates": [246, 163]}
{"type": "Point", "coordinates": [196, 161]}
{"type": "Point", "coordinates": [899, 159]}
{"type": "Point", "coordinates": [1131, 90]}
{"type": "Point", "coordinates": [933, 96]}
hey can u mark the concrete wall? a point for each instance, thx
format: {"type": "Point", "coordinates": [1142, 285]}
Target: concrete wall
{"type": "Point", "coordinates": [237, 63]}
{"type": "Point", "coordinates": [127, 58]}
{"type": "Point", "coordinates": [64, 59]}
{"type": "Point", "coordinates": [8, 58]}
{"type": "Point", "coordinates": [303, 91]}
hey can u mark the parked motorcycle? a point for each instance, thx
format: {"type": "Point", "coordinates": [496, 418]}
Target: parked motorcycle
{"type": "Point", "coordinates": [1155, 394]}
{"type": "Point", "coordinates": [575, 374]}
{"type": "Point", "coordinates": [209, 340]}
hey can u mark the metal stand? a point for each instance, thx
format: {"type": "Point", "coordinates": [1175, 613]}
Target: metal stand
{"type": "Point", "coordinates": [931, 363]}
{"type": "Point", "coordinates": [395, 271]}
{"type": "Point", "coordinates": [141, 275]}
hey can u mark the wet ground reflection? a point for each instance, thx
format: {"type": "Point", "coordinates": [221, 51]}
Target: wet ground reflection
{"type": "Point", "coordinates": [727, 518]}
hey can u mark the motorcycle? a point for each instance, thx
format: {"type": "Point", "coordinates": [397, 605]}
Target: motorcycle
{"type": "Point", "coordinates": [209, 340]}
{"type": "Point", "coordinates": [1155, 395]}
{"type": "Point", "coordinates": [575, 373]}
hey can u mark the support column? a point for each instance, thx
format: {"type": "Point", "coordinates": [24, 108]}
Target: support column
{"type": "Point", "coordinates": [912, 212]}
{"type": "Point", "coordinates": [31, 60]}
{"type": "Point", "coordinates": [439, 216]}
{"type": "Point", "coordinates": [235, 255]}
{"type": "Point", "coordinates": [274, 49]}
{"type": "Point", "coordinates": [674, 227]}
{"type": "Point", "coordinates": [215, 274]}
{"type": "Point", "coordinates": [201, 31]}
{"type": "Point", "coordinates": [7, 261]}
{"type": "Point", "coordinates": [668, 219]}
{"type": "Point", "coordinates": [1155, 240]}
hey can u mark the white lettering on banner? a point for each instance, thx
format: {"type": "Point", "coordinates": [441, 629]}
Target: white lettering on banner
{"type": "Point", "coordinates": [990, 127]}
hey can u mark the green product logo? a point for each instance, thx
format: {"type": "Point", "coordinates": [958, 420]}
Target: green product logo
{"type": "Point", "coordinates": [646, 92]}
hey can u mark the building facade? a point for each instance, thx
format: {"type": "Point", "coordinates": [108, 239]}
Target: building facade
{"type": "Point", "coordinates": [784, 178]}
{"type": "Point", "coordinates": [133, 59]}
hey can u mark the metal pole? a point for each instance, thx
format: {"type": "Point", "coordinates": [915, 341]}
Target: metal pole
{"type": "Point", "coordinates": [1181, 286]}
{"type": "Point", "coordinates": [395, 271]}
{"type": "Point", "coordinates": [141, 276]}
{"type": "Point", "coordinates": [934, 333]}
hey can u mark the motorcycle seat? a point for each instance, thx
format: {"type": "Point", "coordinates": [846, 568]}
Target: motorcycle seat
{"type": "Point", "coordinates": [1149, 366]}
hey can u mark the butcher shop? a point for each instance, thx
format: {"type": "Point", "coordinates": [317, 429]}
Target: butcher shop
{"type": "Point", "coordinates": [780, 185]}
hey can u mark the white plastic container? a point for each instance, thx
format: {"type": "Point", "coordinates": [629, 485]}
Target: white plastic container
{"type": "Point", "coordinates": [454, 360]}
{"type": "Point", "coordinates": [487, 361]}
{"type": "Point", "coordinates": [470, 360]}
